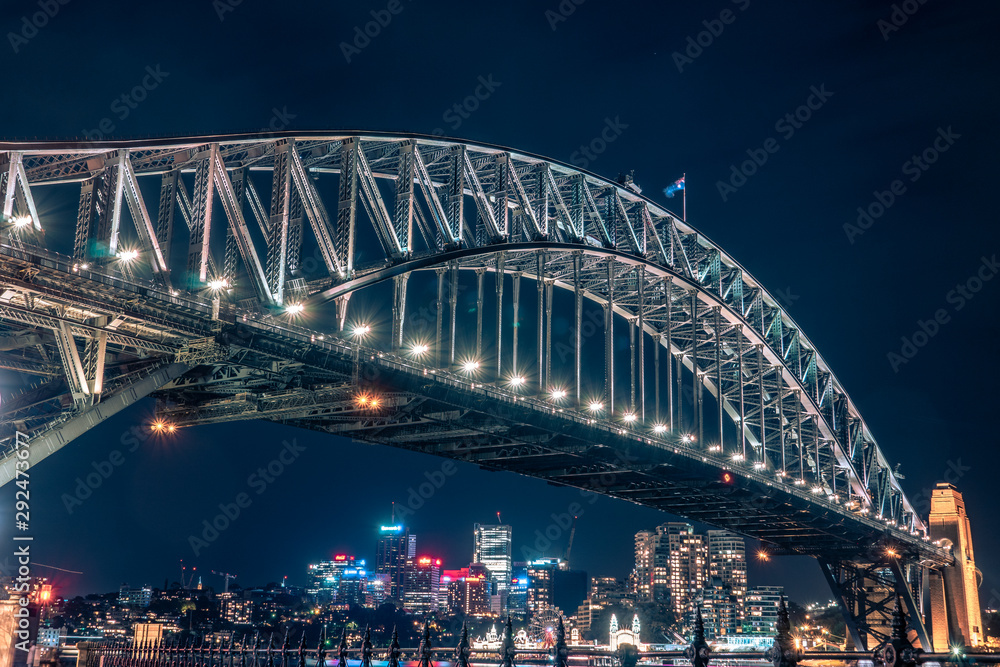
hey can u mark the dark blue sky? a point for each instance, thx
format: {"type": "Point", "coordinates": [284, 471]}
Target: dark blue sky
{"type": "Point", "coordinates": [887, 95]}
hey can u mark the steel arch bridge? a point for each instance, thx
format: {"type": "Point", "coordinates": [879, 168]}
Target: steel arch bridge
{"type": "Point", "coordinates": [207, 303]}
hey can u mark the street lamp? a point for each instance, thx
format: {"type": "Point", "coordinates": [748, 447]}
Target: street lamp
{"type": "Point", "coordinates": [596, 406]}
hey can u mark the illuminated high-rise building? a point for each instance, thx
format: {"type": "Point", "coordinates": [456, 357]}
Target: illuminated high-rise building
{"type": "Point", "coordinates": [761, 615]}
{"type": "Point", "coordinates": [727, 562]}
{"type": "Point", "coordinates": [325, 576]}
{"type": "Point", "coordinates": [670, 565]}
{"type": "Point", "coordinates": [395, 547]}
{"type": "Point", "coordinates": [422, 593]}
{"type": "Point", "coordinates": [493, 549]}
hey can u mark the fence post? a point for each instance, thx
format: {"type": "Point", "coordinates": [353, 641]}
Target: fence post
{"type": "Point", "coordinates": [366, 648]}
{"type": "Point", "coordinates": [783, 652]}
{"type": "Point", "coordinates": [463, 651]}
{"type": "Point", "coordinates": [342, 649]}
{"type": "Point", "coordinates": [562, 651]}
{"type": "Point", "coordinates": [394, 651]}
{"type": "Point", "coordinates": [426, 654]}
{"type": "Point", "coordinates": [507, 648]}
{"type": "Point", "coordinates": [699, 650]}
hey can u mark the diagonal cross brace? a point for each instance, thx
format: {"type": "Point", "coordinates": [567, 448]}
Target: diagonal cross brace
{"type": "Point", "coordinates": [241, 233]}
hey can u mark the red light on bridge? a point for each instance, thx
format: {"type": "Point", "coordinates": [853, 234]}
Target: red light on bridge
{"type": "Point", "coordinates": [728, 477]}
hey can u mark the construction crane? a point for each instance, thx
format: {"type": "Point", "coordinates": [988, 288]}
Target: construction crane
{"type": "Point", "coordinates": [186, 582]}
{"type": "Point", "coordinates": [569, 544]}
{"type": "Point", "coordinates": [227, 577]}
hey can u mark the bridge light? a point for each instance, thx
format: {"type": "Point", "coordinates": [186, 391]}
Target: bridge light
{"type": "Point", "coordinates": [629, 417]}
{"type": "Point", "coordinates": [128, 255]}
{"type": "Point", "coordinates": [763, 556]}
{"type": "Point", "coordinates": [736, 457]}
{"type": "Point", "coordinates": [516, 381]}
{"type": "Point", "coordinates": [891, 553]}
{"type": "Point", "coordinates": [727, 477]}
{"type": "Point", "coordinates": [759, 465]}
{"type": "Point", "coordinates": [171, 428]}
{"type": "Point", "coordinates": [361, 330]}
{"type": "Point", "coordinates": [470, 366]}
{"type": "Point", "coordinates": [22, 221]}
{"type": "Point", "coordinates": [158, 426]}
{"type": "Point", "coordinates": [218, 284]}
{"type": "Point", "coordinates": [817, 489]}
{"type": "Point", "coordinates": [659, 428]}
{"type": "Point", "coordinates": [294, 308]}
{"type": "Point", "coordinates": [419, 350]}
{"type": "Point", "coordinates": [596, 406]}
{"type": "Point", "coordinates": [558, 393]}
{"type": "Point", "coordinates": [687, 437]}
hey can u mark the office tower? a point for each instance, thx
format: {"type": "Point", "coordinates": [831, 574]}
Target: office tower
{"type": "Point", "coordinates": [569, 588]}
{"type": "Point", "coordinates": [324, 577]}
{"type": "Point", "coordinates": [135, 597]}
{"type": "Point", "coordinates": [422, 591]}
{"type": "Point", "coordinates": [517, 596]}
{"type": "Point", "coordinates": [394, 548]}
{"type": "Point", "coordinates": [493, 549]}
{"type": "Point", "coordinates": [377, 589]}
{"type": "Point", "coordinates": [541, 574]}
{"type": "Point", "coordinates": [352, 587]}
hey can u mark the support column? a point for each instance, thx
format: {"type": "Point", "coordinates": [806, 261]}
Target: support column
{"type": "Point", "coordinates": [440, 315]}
{"type": "Point", "coordinates": [760, 389]}
{"type": "Point", "coordinates": [609, 350]}
{"type": "Point", "coordinates": [642, 343]}
{"type": "Point", "coordinates": [539, 273]}
{"type": "Point", "coordinates": [453, 305]}
{"type": "Point", "coordinates": [718, 372]}
{"type": "Point", "coordinates": [739, 372]}
{"type": "Point", "coordinates": [548, 335]}
{"type": "Point", "coordinates": [499, 278]}
{"type": "Point", "coordinates": [399, 310]}
{"type": "Point", "coordinates": [667, 284]}
{"type": "Point", "coordinates": [695, 379]}
{"type": "Point", "coordinates": [517, 323]}
{"type": "Point", "coordinates": [658, 341]}
{"type": "Point", "coordinates": [631, 365]}
{"type": "Point", "coordinates": [578, 342]}
{"type": "Point", "coordinates": [480, 274]}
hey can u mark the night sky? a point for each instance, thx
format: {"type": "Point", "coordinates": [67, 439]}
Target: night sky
{"type": "Point", "coordinates": [884, 85]}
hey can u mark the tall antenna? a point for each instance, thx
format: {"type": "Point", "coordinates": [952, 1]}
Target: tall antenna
{"type": "Point", "coordinates": [393, 522]}
{"type": "Point", "coordinates": [498, 518]}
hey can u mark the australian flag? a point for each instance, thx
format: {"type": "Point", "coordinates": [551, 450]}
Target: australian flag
{"type": "Point", "coordinates": [676, 186]}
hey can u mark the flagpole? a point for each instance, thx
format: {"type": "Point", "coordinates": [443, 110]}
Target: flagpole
{"type": "Point", "coordinates": [684, 192]}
